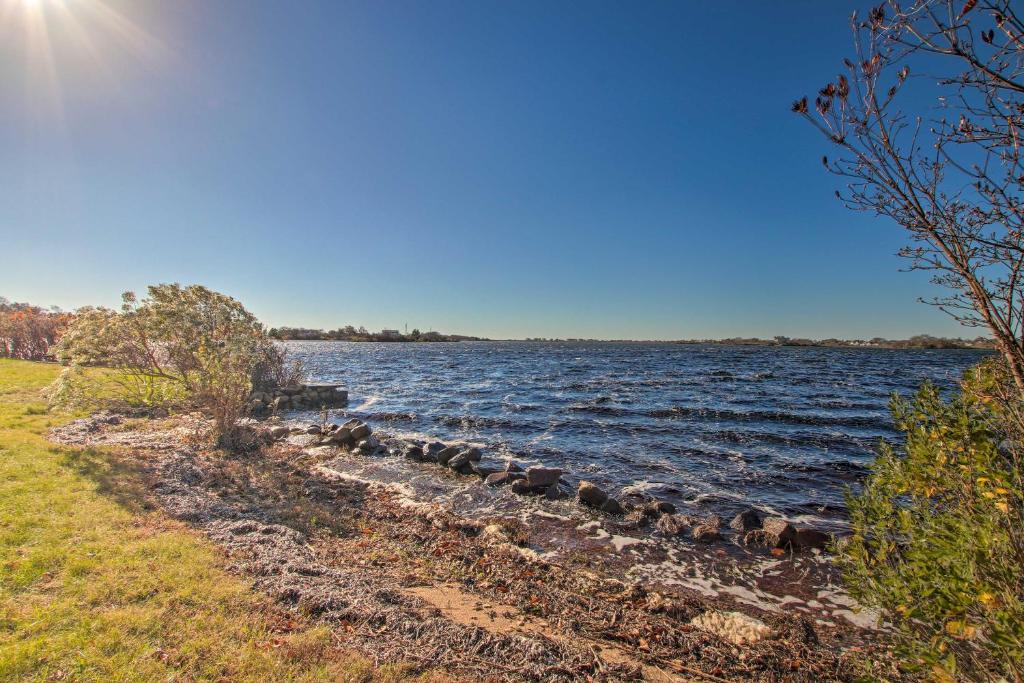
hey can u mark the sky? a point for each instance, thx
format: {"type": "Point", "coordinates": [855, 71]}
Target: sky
{"type": "Point", "coordinates": [503, 169]}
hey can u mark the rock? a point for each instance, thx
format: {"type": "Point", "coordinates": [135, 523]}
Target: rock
{"type": "Point", "coordinates": [542, 477]}
{"type": "Point", "coordinates": [313, 429]}
{"type": "Point", "coordinates": [475, 454]}
{"type": "Point", "coordinates": [368, 445]}
{"type": "Point", "coordinates": [521, 486]}
{"type": "Point", "coordinates": [555, 493]}
{"type": "Point", "coordinates": [673, 525]}
{"type": "Point", "coordinates": [779, 530]}
{"type": "Point", "coordinates": [460, 460]}
{"type": "Point", "coordinates": [496, 479]}
{"type": "Point", "coordinates": [748, 520]}
{"type": "Point", "coordinates": [447, 454]}
{"type": "Point", "coordinates": [612, 507]}
{"type": "Point", "coordinates": [361, 431]}
{"type": "Point", "coordinates": [707, 531]}
{"type": "Point", "coordinates": [481, 470]}
{"type": "Point", "coordinates": [341, 437]}
{"type": "Point", "coordinates": [811, 538]}
{"type": "Point", "coordinates": [590, 494]}
{"type": "Point", "coordinates": [512, 467]}
{"type": "Point", "coordinates": [279, 432]}
{"type": "Point", "coordinates": [431, 450]}
{"type": "Point", "coordinates": [502, 478]}
{"type": "Point", "coordinates": [657, 508]}
{"type": "Point", "coordinates": [352, 423]}
{"type": "Point", "coordinates": [759, 538]}
{"type": "Point", "coordinates": [413, 452]}
{"type": "Point", "coordinates": [331, 428]}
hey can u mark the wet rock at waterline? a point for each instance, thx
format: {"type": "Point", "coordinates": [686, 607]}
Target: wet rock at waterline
{"type": "Point", "coordinates": [503, 478]}
{"type": "Point", "coordinates": [482, 470]}
{"type": "Point", "coordinates": [460, 460]}
{"type": "Point", "coordinates": [542, 477]}
{"type": "Point", "coordinates": [612, 507]}
{"type": "Point", "coordinates": [656, 508]}
{"type": "Point", "coordinates": [707, 531]}
{"type": "Point", "coordinates": [446, 454]}
{"type": "Point", "coordinates": [748, 520]}
{"type": "Point", "coordinates": [781, 531]}
{"type": "Point", "coordinates": [673, 525]}
{"type": "Point", "coordinates": [590, 494]}
{"type": "Point", "coordinates": [811, 538]}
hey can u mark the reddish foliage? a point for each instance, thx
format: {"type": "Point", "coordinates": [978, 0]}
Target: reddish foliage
{"type": "Point", "coordinates": [28, 332]}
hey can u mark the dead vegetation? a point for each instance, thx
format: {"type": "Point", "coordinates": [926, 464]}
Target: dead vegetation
{"type": "Point", "coordinates": [366, 562]}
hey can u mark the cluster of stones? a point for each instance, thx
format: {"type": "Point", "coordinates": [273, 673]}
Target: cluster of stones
{"type": "Point", "coordinates": [353, 435]}
{"type": "Point", "coordinates": [770, 532]}
{"type": "Point", "coordinates": [300, 397]}
{"type": "Point", "coordinates": [752, 530]}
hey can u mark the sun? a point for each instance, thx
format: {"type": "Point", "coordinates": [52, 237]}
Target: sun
{"type": "Point", "coordinates": [70, 47]}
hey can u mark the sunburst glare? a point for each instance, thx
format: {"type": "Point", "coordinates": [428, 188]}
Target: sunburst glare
{"type": "Point", "coordinates": [70, 44]}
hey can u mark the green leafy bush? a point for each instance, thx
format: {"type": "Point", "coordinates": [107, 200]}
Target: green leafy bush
{"type": "Point", "coordinates": [178, 348]}
{"type": "Point", "coordinates": [938, 541]}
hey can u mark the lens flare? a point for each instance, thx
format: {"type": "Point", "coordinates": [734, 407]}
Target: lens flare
{"type": "Point", "coordinates": [70, 44]}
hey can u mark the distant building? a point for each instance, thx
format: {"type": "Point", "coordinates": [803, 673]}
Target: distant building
{"type": "Point", "coordinates": [390, 333]}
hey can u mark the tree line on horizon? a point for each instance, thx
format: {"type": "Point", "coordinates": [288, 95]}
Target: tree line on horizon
{"type": "Point", "coordinates": [361, 334]}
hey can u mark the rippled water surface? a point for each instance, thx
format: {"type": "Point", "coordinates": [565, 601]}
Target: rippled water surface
{"type": "Point", "coordinates": [711, 428]}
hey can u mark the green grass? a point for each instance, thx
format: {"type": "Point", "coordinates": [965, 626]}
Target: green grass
{"type": "Point", "coordinates": [96, 587]}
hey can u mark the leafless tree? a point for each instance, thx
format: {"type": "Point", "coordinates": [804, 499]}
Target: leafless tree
{"type": "Point", "coordinates": [927, 121]}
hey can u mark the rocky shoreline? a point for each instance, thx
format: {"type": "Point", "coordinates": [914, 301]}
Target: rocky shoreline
{"type": "Point", "coordinates": [770, 533]}
{"type": "Point", "coordinates": [389, 572]}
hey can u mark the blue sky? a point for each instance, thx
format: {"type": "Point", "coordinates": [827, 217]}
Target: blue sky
{"type": "Point", "coordinates": [507, 169]}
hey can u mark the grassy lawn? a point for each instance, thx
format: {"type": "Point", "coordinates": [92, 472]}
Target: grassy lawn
{"type": "Point", "coordinates": [94, 587]}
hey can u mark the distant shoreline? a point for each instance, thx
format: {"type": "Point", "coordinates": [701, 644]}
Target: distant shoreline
{"type": "Point", "coordinates": [910, 345]}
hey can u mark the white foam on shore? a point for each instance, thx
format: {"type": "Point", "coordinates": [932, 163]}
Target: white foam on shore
{"type": "Point", "coordinates": [370, 400]}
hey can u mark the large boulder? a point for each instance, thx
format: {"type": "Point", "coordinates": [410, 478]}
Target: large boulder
{"type": "Point", "coordinates": [279, 432]}
{"type": "Point", "coordinates": [542, 477]}
{"type": "Point", "coordinates": [748, 520]}
{"type": "Point", "coordinates": [361, 431]}
{"type": "Point", "coordinates": [590, 494]}
{"type": "Point", "coordinates": [413, 452]}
